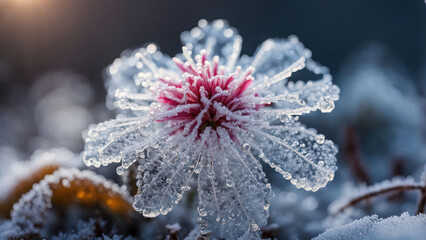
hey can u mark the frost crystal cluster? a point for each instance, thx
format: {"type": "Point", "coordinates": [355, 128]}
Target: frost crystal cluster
{"type": "Point", "coordinates": [212, 115]}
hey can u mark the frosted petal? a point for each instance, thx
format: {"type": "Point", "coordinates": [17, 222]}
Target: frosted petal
{"type": "Point", "coordinates": [275, 55]}
{"type": "Point", "coordinates": [299, 154]}
{"type": "Point", "coordinates": [233, 194]}
{"type": "Point", "coordinates": [163, 187]}
{"type": "Point", "coordinates": [165, 178]}
{"type": "Point", "coordinates": [315, 95]}
{"type": "Point", "coordinates": [135, 71]}
{"type": "Point", "coordinates": [105, 142]}
{"type": "Point", "coordinates": [300, 97]}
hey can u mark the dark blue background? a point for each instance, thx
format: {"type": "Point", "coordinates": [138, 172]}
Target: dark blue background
{"type": "Point", "coordinates": [45, 35]}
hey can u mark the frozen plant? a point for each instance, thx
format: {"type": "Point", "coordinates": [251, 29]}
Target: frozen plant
{"type": "Point", "coordinates": [20, 175]}
{"type": "Point", "coordinates": [216, 115]}
{"type": "Point", "coordinates": [396, 184]}
{"type": "Point", "coordinates": [65, 186]}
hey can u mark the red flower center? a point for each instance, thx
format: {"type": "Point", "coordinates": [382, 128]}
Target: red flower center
{"type": "Point", "coordinates": [216, 98]}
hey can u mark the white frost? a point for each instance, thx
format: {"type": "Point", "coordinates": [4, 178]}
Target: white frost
{"type": "Point", "coordinates": [374, 228]}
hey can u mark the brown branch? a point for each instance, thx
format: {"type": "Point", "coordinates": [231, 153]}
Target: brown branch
{"type": "Point", "coordinates": [173, 231]}
{"type": "Point", "coordinates": [397, 170]}
{"type": "Point", "coordinates": [351, 150]}
{"type": "Point", "coordinates": [359, 199]}
{"type": "Point", "coordinates": [422, 202]}
{"type": "Point", "coordinates": [270, 231]}
{"type": "Point", "coordinates": [398, 166]}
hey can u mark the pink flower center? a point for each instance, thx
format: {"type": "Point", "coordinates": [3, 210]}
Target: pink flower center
{"type": "Point", "coordinates": [216, 99]}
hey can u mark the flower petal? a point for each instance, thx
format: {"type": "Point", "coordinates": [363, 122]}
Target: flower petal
{"type": "Point", "coordinates": [311, 96]}
{"type": "Point", "coordinates": [233, 192]}
{"type": "Point", "coordinates": [299, 154]}
{"type": "Point", "coordinates": [275, 55]}
{"type": "Point", "coordinates": [300, 97]}
{"type": "Point", "coordinates": [162, 186]}
{"type": "Point", "coordinates": [137, 70]}
{"type": "Point", "coordinates": [120, 140]}
{"type": "Point", "coordinates": [167, 176]}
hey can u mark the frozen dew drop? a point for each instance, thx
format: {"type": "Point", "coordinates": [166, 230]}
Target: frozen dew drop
{"type": "Point", "coordinates": [330, 176]}
{"type": "Point", "coordinates": [326, 105]}
{"type": "Point", "coordinates": [321, 163]}
{"type": "Point", "coordinates": [320, 139]}
{"type": "Point", "coordinates": [151, 48]}
{"type": "Point", "coordinates": [139, 65]}
{"type": "Point", "coordinates": [202, 210]}
{"type": "Point", "coordinates": [285, 118]}
{"type": "Point", "coordinates": [220, 220]}
{"type": "Point", "coordinates": [246, 147]}
{"type": "Point", "coordinates": [266, 206]}
{"type": "Point", "coordinates": [120, 170]}
{"type": "Point", "coordinates": [197, 170]}
{"type": "Point", "coordinates": [255, 227]}
{"type": "Point", "coordinates": [66, 183]}
{"type": "Point", "coordinates": [92, 133]}
{"type": "Point", "coordinates": [286, 175]}
{"type": "Point", "coordinates": [229, 183]}
{"type": "Point", "coordinates": [203, 227]}
{"type": "Point", "coordinates": [196, 32]}
{"type": "Point", "coordinates": [219, 24]}
{"type": "Point", "coordinates": [228, 32]}
{"type": "Point", "coordinates": [202, 23]}
{"type": "Point", "coordinates": [233, 213]}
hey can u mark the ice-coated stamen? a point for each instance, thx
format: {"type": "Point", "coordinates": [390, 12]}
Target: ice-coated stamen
{"type": "Point", "coordinates": [236, 49]}
{"type": "Point", "coordinates": [286, 73]}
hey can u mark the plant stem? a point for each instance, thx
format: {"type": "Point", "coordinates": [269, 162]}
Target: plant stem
{"type": "Point", "coordinates": [359, 199]}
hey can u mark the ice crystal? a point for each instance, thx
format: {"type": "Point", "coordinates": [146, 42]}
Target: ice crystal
{"type": "Point", "coordinates": [374, 228]}
{"type": "Point", "coordinates": [216, 115]}
{"type": "Point", "coordinates": [89, 230]}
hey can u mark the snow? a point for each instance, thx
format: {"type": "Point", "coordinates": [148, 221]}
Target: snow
{"type": "Point", "coordinates": [374, 228]}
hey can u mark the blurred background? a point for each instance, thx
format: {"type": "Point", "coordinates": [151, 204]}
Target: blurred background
{"type": "Point", "coordinates": [53, 54]}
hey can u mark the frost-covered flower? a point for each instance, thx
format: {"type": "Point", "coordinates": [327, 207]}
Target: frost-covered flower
{"type": "Point", "coordinates": [211, 113]}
